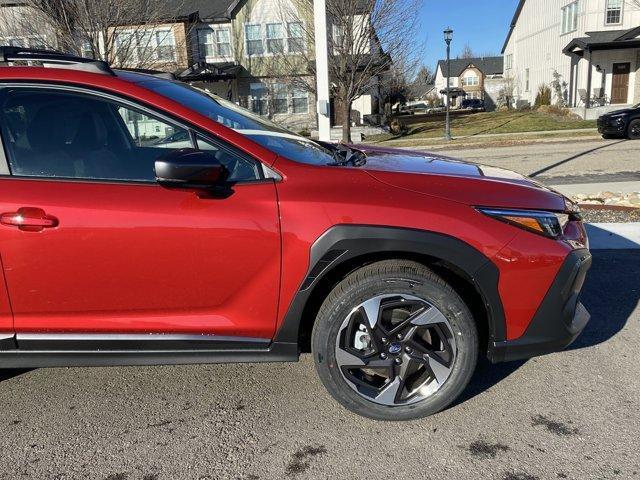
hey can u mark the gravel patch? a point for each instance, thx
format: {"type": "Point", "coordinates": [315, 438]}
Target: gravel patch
{"type": "Point", "coordinates": [605, 215]}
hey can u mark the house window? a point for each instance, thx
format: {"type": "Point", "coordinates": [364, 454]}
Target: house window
{"type": "Point", "coordinates": [145, 45]}
{"type": "Point", "coordinates": [259, 96]}
{"type": "Point", "coordinates": [470, 80]}
{"type": "Point", "coordinates": [526, 80]}
{"type": "Point", "coordinates": [570, 18]}
{"type": "Point", "coordinates": [295, 37]}
{"type": "Point", "coordinates": [280, 104]}
{"type": "Point", "coordinates": [338, 36]}
{"type": "Point", "coordinates": [214, 43]}
{"type": "Point", "coordinates": [614, 12]}
{"type": "Point", "coordinates": [254, 40]}
{"type": "Point", "coordinates": [166, 45]}
{"type": "Point", "coordinates": [87, 49]}
{"type": "Point", "coordinates": [275, 38]}
{"type": "Point", "coordinates": [299, 101]}
{"type": "Point", "coordinates": [508, 61]}
{"type": "Point", "coordinates": [223, 40]}
{"type": "Point", "coordinates": [206, 43]}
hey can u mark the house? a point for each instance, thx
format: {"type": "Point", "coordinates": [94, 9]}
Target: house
{"type": "Point", "coordinates": [256, 53]}
{"type": "Point", "coordinates": [592, 47]}
{"type": "Point", "coordinates": [421, 92]}
{"type": "Point", "coordinates": [470, 78]}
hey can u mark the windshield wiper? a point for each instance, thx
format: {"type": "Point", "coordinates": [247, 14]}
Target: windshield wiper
{"type": "Point", "coordinates": [345, 156]}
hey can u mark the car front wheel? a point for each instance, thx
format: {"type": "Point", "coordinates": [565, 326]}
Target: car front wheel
{"type": "Point", "coordinates": [633, 132]}
{"type": "Point", "coordinates": [393, 341]}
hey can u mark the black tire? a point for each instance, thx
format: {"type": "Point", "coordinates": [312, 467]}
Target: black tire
{"type": "Point", "coordinates": [393, 277]}
{"type": "Point", "coordinates": [633, 130]}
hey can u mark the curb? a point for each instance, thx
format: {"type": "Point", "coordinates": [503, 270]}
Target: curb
{"type": "Point", "coordinates": [613, 236]}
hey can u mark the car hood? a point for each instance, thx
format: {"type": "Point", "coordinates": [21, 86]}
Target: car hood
{"type": "Point", "coordinates": [620, 112]}
{"type": "Point", "coordinates": [458, 180]}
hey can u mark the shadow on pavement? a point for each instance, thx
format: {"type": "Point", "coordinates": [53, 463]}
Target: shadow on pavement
{"type": "Point", "coordinates": [573, 157]}
{"type": "Point", "coordinates": [610, 294]}
{"type": "Point", "coordinates": [6, 374]}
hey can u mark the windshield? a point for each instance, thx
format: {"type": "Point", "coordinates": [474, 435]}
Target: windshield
{"type": "Point", "coordinates": [271, 136]}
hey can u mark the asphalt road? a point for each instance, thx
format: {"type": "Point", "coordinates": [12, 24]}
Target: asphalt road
{"type": "Point", "coordinates": [572, 415]}
{"type": "Point", "coordinates": [582, 161]}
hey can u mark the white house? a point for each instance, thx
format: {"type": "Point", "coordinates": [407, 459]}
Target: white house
{"type": "Point", "coordinates": [593, 45]}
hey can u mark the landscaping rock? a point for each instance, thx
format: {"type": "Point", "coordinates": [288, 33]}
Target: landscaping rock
{"type": "Point", "coordinates": [615, 199]}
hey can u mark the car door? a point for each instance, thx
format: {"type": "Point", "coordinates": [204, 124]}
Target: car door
{"type": "Point", "coordinates": [91, 243]}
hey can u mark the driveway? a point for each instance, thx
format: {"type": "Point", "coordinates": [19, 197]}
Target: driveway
{"type": "Point", "coordinates": [571, 415]}
{"type": "Point", "coordinates": [582, 161]}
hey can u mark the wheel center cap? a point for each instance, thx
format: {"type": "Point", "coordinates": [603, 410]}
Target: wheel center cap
{"type": "Point", "coordinates": [395, 348]}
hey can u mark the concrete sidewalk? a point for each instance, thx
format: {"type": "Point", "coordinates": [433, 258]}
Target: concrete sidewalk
{"type": "Point", "coordinates": [614, 236]}
{"type": "Point", "coordinates": [595, 188]}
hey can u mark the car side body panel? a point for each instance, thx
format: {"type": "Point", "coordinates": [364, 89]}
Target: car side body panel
{"type": "Point", "coordinates": [141, 258]}
{"type": "Point", "coordinates": [322, 197]}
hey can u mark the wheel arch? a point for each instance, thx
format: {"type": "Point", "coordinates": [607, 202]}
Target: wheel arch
{"type": "Point", "coordinates": [344, 248]}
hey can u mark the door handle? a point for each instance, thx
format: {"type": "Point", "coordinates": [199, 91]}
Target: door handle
{"type": "Point", "coordinates": [29, 219]}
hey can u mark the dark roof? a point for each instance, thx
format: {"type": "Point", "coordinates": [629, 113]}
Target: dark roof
{"type": "Point", "coordinates": [487, 65]}
{"type": "Point", "coordinates": [206, 9]}
{"type": "Point", "coordinates": [419, 90]}
{"type": "Point", "coordinates": [605, 40]}
{"type": "Point", "coordinates": [514, 20]}
{"type": "Point", "coordinates": [219, 9]}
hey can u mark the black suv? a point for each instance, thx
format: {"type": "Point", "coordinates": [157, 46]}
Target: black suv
{"type": "Point", "coordinates": [621, 123]}
{"type": "Point", "coordinates": [472, 104]}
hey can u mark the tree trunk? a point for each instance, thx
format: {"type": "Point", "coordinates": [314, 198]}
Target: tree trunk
{"type": "Point", "coordinates": [346, 121]}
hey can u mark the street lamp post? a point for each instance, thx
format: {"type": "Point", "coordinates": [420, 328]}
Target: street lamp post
{"type": "Point", "coordinates": [448, 36]}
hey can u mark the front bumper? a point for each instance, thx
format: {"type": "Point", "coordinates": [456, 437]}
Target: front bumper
{"type": "Point", "coordinates": [559, 319]}
{"type": "Point", "coordinates": [609, 127]}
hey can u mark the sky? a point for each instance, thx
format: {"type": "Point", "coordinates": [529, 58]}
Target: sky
{"type": "Point", "coordinates": [483, 24]}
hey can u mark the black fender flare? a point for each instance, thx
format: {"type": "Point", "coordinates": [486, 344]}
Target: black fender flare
{"type": "Point", "coordinates": [342, 243]}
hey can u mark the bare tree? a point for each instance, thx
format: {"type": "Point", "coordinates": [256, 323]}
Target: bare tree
{"type": "Point", "coordinates": [467, 52]}
{"type": "Point", "coordinates": [131, 33]}
{"type": "Point", "coordinates": [396, 89]}
{"type": "Point", "coordinates": [366, 39]}
{"type": "Point", "coordinates": [507, 89]}
{"type": "Point", "coordinates": [421, 81]}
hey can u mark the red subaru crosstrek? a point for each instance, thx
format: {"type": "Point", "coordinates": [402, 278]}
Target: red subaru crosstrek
{"type": "Point", "coordinates": [146, 222]}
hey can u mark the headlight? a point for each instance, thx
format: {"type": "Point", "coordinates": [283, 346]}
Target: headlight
{"type": "Point", "coordinates": [549, 224]}
{"type": "Point", "coordinates": [619, 119]}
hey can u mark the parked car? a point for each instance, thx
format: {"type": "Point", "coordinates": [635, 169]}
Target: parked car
{"type": "Point", "coordinates": [472, 104]}
{"type": "Point", "coordinates": [621, 123]}
{"type": "Point", "coordinates": [412, 108]}
{"type": "Point", "coordinates": [397, 269]}
{"type": "Point", "coordinates": [180, 139]}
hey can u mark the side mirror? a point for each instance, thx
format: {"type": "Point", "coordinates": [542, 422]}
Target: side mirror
{"type": "Point", "coordinates": [189, 169]}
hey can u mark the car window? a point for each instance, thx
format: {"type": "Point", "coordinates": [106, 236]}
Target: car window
{"type": "Point", "coordinates": [240, 169]}
{"type": "Point", "coordinates": [55, 133]}
{"type": "Point", "coordinates": [268, 134]}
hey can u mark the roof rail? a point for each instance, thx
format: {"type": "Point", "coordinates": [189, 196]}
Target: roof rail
{"type": "Point", "coordinates": [53, 58]}
{"type": "Point", "coordinates": [153, 73]}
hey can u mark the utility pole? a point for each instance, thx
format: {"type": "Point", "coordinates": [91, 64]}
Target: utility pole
{"type": "Point", "coordinates": [448, 36]}
{"type": "Point", "coordinates": [322, 69]}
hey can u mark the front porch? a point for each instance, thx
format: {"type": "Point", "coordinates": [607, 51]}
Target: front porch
{"type": "Point", "coordinates": [595, 111]}
{"type": "Point", "coordinates": [605, 72]}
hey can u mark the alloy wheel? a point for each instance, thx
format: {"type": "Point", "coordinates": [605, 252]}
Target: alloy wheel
{"type": "Point", "coordinates": [395, 349]}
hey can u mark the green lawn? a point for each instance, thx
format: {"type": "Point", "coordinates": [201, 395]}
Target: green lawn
{"type": "Point", "coordinates": [489, 123]}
